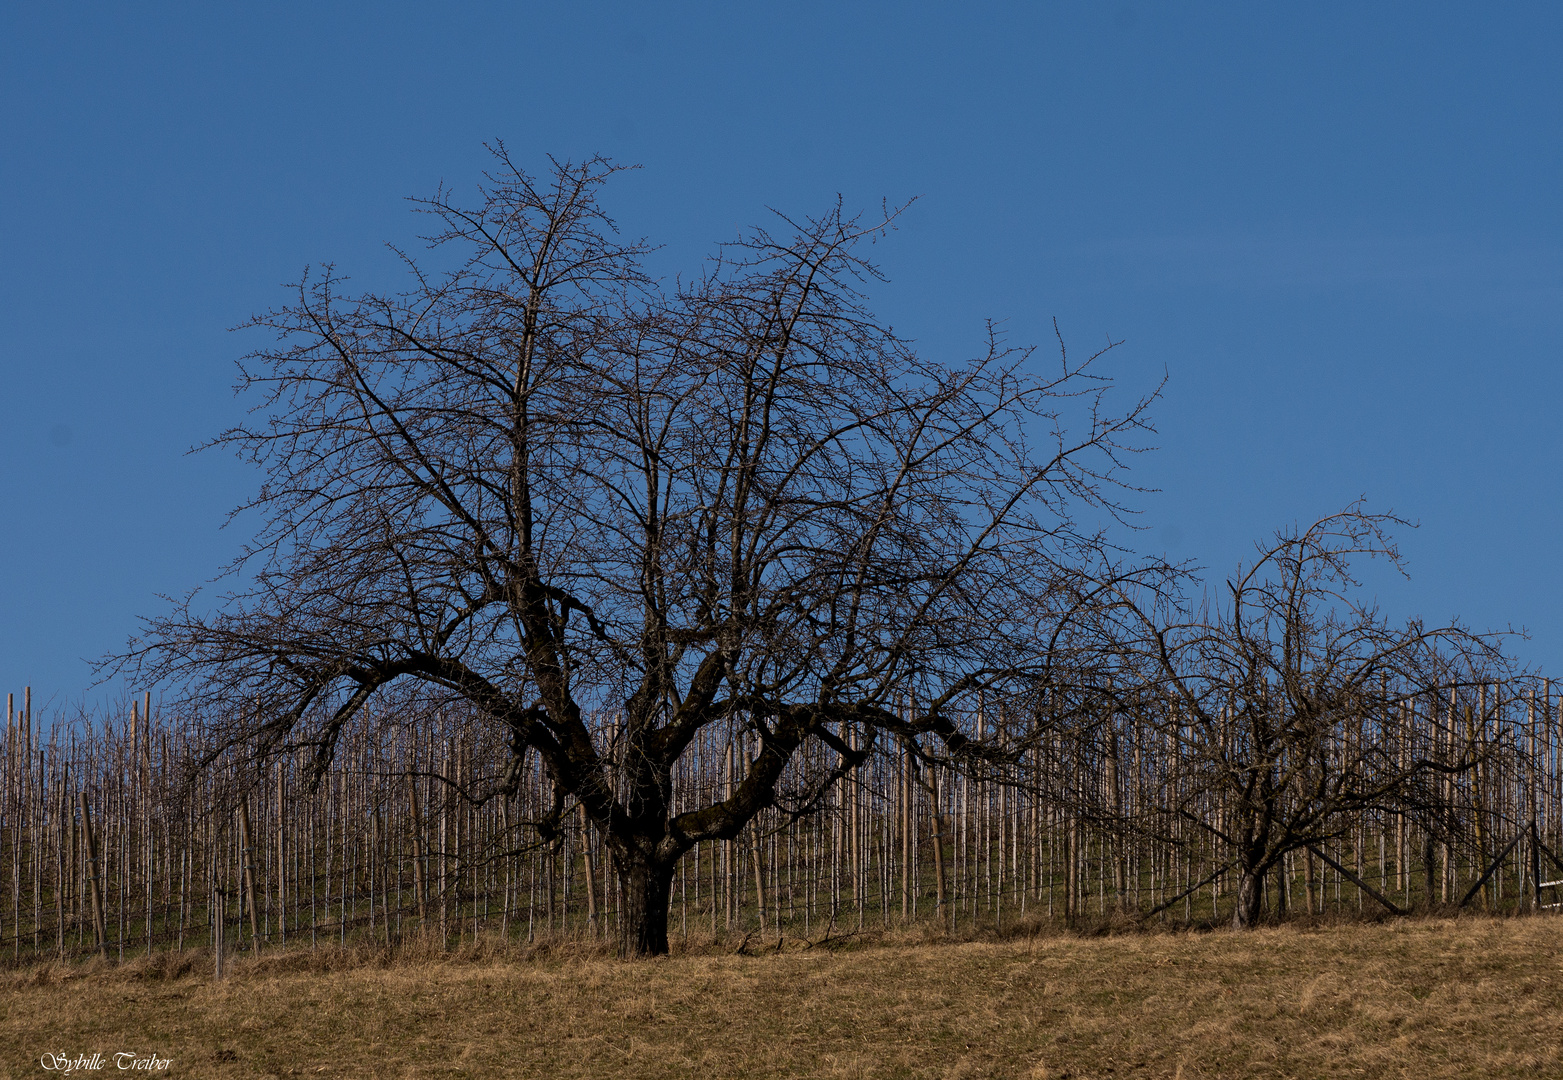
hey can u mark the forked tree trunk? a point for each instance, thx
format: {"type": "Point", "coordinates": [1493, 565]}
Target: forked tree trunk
{"type": "Point", "coordinates": [647, 886]}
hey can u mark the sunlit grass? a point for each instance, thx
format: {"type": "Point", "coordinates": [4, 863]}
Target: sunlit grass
{"type": "Point", "coordinates": [1422, 998]}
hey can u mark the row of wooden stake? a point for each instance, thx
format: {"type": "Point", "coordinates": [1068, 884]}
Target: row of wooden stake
{"type": "Point", "coordinates": [113, 842]}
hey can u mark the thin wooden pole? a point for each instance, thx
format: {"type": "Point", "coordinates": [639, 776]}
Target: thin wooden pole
{"type": "Point", "coordinates": [92, 875]}
{"type": "Point", "coordinates": [592, 928]}
{"type": "Point", "coordinates": [247, 872]}
{"type": "Point", "coordinates": [420, 889]}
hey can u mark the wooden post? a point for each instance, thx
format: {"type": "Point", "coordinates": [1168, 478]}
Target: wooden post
{"type": "Point", "coordinates": [444, 878]}
{"type": "Point", "coordinates": [282, 860]}
{"type": "Point", "coordinates": [1474, 747]}
{"type": "Point", "coordinates": [728, 846]}
{"type": "Point", "coordinates": [941, 896]}
{"type": "Point", "coordinates": [146, 808]}
{"type": "Point", "coordinates": [1535, 867]}
{"type": "Point", "coordinates": [247, 871]}
{"type": "Point", "coordinates": [15, 758]}
{"type": "Point", "coordinates": [61, 852]}
{"type": "Point", "coordinates": [904, 813]}
{"type": "Point", "coordinates": [92, 876]}
{"type": "Point", "coordinates": [592, 927]}
{"type": "Point", "coordinates": [215, 905]}
{"type": "Point", "coordinates": [504, 826]}
{"type": "Point", "coordinates": [858, 872]}
{"type": "Point", "coordinates": [759, 878]}
{"type": "Point", "coordinates": [420, 891]}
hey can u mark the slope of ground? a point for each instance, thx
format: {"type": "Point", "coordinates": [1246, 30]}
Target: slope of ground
{"type": "Point", "coordinates": [1418, 999]}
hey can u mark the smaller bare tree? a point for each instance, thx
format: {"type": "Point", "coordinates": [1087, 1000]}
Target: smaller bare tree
{"type": "Point", "coordinates": [1288, 698]}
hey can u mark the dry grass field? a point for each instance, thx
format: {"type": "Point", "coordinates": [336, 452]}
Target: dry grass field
{"type": "Point", "coordinates": [1421, 998]}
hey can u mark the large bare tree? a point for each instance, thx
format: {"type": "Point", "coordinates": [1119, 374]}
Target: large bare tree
{"type": "Point", "coordinates": [542, 483]}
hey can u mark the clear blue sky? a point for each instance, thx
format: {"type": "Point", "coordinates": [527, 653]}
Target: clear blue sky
{"type": "Point", "coordinates": [1337, 228]}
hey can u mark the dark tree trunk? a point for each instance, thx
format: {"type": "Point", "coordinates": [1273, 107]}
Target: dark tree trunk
{"type": "Point", "coordinates": [1250, 898]}
{"type": "Point", "coordinates": [646, 885]}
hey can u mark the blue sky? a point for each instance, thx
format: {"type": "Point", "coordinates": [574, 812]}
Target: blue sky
{"type": "Point", "coordinates": [1336, 228]}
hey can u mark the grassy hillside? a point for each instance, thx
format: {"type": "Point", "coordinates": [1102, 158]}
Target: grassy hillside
{"type": "Point", "coordinates": [1408, 998]}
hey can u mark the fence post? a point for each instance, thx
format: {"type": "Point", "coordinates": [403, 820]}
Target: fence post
{"type": "Point", "coordinates": [248, 872]}
{"type": "Point", "coordinates": [92, 876]}
{"type": "Point", "coordinates": [216, 907]}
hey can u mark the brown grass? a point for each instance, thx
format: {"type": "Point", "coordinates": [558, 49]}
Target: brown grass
{"type": "Point", "coordinates": [1433, 998]}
